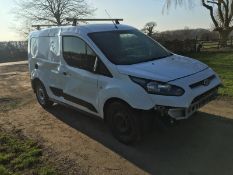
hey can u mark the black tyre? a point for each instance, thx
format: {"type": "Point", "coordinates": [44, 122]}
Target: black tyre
{"type": "Point", "coordinates": [123, 122]}
{"type": "Point", "coordinates": [42, 96]}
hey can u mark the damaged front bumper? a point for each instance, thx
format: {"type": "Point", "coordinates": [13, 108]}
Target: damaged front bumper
{"type": "Point", "coordinates": [184, 113]}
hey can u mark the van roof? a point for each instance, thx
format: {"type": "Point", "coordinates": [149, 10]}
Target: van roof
{"type": "Point", "coordinates": [80, 29]}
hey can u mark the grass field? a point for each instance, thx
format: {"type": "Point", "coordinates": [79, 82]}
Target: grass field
{"type": "Point", "coordinates": [222, 63]}
{"type": "Point", "coordinates": [19, 155]}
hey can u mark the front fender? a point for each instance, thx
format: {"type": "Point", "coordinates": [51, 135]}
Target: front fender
{"type": "Point", "coordinates": [127, 91]}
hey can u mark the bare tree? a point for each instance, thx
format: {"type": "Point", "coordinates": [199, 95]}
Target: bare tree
{"type": "Point", "coordinates": [149, 28]}
{"type": "Point", "coordinates": [50, 11]}
{"type": "Point", "coordinates": [168, 3]}
{"type": "Point", "coordinates": [221, 13]}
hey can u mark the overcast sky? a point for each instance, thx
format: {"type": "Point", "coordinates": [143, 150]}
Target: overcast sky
{"type": "Point", "coordinates": [134, 12]}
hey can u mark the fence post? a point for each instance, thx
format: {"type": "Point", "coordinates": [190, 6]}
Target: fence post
{"type": "Point", "coordinates": [231, 41]}
{"type": "Point", "coordinates": [196, 44]}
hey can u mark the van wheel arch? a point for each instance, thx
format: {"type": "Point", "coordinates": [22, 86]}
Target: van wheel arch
{"type": "Point", "coordinates": [110, 101]}
{"type": "Point", "coordinates": [34, 82]}
{"type": "Point", "coordinates": [41, 94]}
{"type": "Point", "coordinates": [123, 121]}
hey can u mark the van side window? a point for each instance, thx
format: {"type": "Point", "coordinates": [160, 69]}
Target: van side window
{"type": "Point", "coordinates": [102, 69]}
{"type": "Point", "coordinates": [77, 53]}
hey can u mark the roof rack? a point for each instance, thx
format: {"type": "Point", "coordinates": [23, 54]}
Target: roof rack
{"type": "Point", "coordinates": [45, 25]}
{"type": "Point", "coordinates": [75, 21]}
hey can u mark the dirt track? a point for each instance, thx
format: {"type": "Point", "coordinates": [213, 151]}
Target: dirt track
{"type": "Point", "coordinates": [201, 145]}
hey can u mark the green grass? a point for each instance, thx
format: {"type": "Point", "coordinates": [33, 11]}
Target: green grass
{"type": "Point", "coordinates": [21, 156]}
{"type": "Point", "coordinates": [222, 63]}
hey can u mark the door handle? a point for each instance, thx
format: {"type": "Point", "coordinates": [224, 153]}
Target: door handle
{"type": "Point", "coordinates": [36, 66]}
{"type": "Point", "coordinates": [66, 73]}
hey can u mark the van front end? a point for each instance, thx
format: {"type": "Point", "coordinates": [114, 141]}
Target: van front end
{"type": "Point", "coordinates": [180, 113]}
{"type": "Point", "coordinates": [198, 91]}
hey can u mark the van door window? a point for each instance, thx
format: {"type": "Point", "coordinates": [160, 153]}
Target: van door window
{"type": "Point", "coordinates": [102, 69]}
{"type": "Point", "coordinates": [78, 54]}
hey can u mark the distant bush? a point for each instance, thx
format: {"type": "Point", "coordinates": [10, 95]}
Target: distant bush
{"type": "Point", "coordinates": [13, 51]}
{"type": "Point", "coordinates": [188, 34]}
{"type": "Point", "coordinates": [178, 46]}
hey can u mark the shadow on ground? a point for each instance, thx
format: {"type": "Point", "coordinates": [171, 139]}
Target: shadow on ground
{"type": "Point", "coordinates": [200, 145]}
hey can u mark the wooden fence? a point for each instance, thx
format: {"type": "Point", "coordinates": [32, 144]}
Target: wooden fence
{"type": "Point", "coordinates": [214, 44]}
{"type": "Point", "coordinates": [195, 45]}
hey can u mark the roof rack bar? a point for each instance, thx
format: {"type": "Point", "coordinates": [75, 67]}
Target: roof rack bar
{"type": "Point", "coordinates": [75, 20]}
{"type": "Point", "coordinates": [45, 25]}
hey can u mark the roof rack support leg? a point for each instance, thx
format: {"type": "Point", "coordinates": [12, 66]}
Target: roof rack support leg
{"type": "Point", "coordinates": [74, 22]}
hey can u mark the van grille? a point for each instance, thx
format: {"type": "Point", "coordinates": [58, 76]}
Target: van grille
{"type": "Point", "coordinates": [204, 82]}
{"type": "Point", "coordinates": [211, 93]}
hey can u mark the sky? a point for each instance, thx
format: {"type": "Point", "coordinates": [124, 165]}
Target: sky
{"type": "Point", "coordinates": [135, 13]}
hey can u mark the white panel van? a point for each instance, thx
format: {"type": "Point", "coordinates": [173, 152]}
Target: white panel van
{"type": "Point", "coordinates": [118, 74]}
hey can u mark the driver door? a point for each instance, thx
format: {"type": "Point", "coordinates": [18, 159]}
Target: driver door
{"type": "Point", "coordinates": [81, 83]}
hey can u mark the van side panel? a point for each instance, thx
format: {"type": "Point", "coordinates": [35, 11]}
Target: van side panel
{"type": "Point", "coordinates": [44, 60]}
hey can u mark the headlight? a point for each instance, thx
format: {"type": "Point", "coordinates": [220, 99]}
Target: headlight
{"type": "Point", "coordinates": [159, 88]}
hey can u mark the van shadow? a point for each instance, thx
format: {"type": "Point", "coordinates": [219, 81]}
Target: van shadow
{"type": "Point", "coordinates": [200, 145]}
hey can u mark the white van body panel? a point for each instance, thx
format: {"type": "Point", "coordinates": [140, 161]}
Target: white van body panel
{"type": "Point", "coordinates": [92, 91]}
{"type": "Point", "coordinates": [166, 69]}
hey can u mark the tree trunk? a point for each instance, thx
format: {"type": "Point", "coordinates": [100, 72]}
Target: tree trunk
{"type": "Point", "coordinates": [224, 34]}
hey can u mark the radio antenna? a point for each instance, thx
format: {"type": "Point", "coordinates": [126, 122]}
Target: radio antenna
{"type": "Point", "coordinates": [112, 20]}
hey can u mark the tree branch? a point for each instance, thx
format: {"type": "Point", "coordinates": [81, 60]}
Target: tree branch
{"type": "Point", "coordinates": [210, 8]}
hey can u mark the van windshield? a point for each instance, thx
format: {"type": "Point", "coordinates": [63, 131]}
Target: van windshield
{"type": "Point", "coordinates": [128, 47]}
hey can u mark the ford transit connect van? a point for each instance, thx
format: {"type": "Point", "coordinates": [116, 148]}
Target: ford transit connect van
{"type": "Point", "coordinates": [118, 74]}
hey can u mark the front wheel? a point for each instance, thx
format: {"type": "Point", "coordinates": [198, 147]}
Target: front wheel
{"type": "Point", "coordinates": [42, 96]}
{"type": "Point", "coordinates": [123, 122]}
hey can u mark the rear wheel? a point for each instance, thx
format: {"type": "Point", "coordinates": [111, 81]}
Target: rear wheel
{"type": "Point", "coordinates": [42, 96]}
{"type": "Point", "coordinates": [123, 122]}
